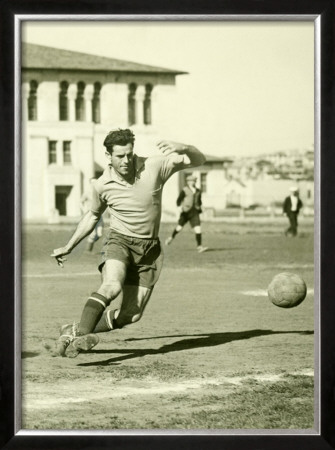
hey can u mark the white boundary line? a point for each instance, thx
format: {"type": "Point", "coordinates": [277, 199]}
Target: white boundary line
{"type": "Point", "coordinates": [60, 275]}
{"type": "Point", "coordinates": [38, 399]}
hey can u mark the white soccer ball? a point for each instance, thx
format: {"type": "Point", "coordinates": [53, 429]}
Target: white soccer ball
{"type": "Point", "coordinates": [287, 290]}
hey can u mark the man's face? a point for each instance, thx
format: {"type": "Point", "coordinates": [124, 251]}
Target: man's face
{"type": "Point", "coordinates": [122, 159]}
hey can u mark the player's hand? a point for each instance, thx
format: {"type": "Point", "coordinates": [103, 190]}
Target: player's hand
{"type": "Point", "coordinates": [168, 147]}
{"type": "Point", "coordinates": [59, 254]}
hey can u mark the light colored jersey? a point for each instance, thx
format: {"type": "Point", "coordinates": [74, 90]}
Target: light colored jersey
{"type": "Point", "coordinates": [135, 209]}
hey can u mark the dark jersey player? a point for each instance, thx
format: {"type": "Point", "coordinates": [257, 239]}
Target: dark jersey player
{"type": "Point", "coordinates": [190, 201]}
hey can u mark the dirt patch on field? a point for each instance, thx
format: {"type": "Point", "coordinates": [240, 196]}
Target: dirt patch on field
{"type": "Point", "coordinates": [210, 351]}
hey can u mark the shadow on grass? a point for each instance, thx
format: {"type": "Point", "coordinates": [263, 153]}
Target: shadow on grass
{"type": "Point", "coordinates": [29, 354]}
{"type": "Point", "coordinates": [214, 249]}
{"type": "Point", "coordinates": [225, 249]}
{"type": "Point", "coordinates": [191, 342]}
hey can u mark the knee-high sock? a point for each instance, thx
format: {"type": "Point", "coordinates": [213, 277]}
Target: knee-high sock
{"type": "Point", "coordinates": [198, 238]}
{"type": "Point", "coordinates": [92, 312]}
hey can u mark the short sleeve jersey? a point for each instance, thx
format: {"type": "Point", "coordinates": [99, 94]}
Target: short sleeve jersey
{"type": "Point", "coordinates": [135, 209]}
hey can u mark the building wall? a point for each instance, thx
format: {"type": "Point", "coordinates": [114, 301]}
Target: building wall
{"type": "Point", "coordinates": [213, 198]}
{"type": "Point", "coordinates": [268, 193]}
{"type": "Point", "coordinates": [272, 192]}
{"type": "Point", "coordinates": [42, 180]}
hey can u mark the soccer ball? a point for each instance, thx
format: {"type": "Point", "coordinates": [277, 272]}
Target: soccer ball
{"type": "Point", "coordinates": [287, 290]}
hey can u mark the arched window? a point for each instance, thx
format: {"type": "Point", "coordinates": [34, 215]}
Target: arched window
{"type": "Point", "coordinates": [96, 103]}
{"type": "Point", "coordinates": [63, 101]}
{"type": "Point", "coordinates": [80, 102]}
{"type": "Point", "coordinates": [132, 104]}
{"type": "Point", "coordinates": [147, 104]}
{"type": "Point", "coordinates": [32, 101]}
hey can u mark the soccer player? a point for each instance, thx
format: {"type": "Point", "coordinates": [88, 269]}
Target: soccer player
{"type": "Point", "coordinates": [131, 188]}
{"type": "Point", "coordinates": [291, 207]}
{"type": "Point", "coordinates": [190, 201]}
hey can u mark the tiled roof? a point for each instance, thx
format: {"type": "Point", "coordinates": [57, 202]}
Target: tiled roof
{"type": "Point", "coordinates": [41, 57]}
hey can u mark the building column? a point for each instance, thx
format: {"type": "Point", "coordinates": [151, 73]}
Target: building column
{"type": "Point", "coordinates": [72, 95]}
{"type": "Point", "coordinates": [139, 97]}
{"type": "Point", "coordinates": [24, 102]}
{"type": "Point", "coordinates": [154, 105]}
{"type": "Point", "coordinates": [88, 96]}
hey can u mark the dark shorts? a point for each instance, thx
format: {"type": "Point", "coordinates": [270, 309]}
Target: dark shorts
{"type": "Point", "coordinates": [191, 216]}
{"type": "Point", "coordinates": [143, 257]}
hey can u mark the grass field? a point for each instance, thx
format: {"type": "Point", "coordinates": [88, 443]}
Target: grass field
{"type": "Point", "coordinates": [210, 353]}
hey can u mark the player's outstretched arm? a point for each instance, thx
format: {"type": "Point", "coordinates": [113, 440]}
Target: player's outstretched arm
{"type": "Point", "coordinates": [84, 228]}
{"type": "Point", "coordinates": [195, 157]}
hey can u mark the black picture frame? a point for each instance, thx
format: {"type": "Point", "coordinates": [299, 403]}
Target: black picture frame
{"type": "Point", "coordinates": [324, 11]}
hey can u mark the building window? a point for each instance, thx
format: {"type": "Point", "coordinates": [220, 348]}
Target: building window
{"type": "Point", "coordinates": [32, 101]}
{"type": "Point", "coordinates": [80, 102]}
{"type": "Point", "coordinates": [147, 104]}
{"type": "Point", "coordinates": [62, 194]}
{"type": "Point", "coordinates": [233, 199]}
{"type": "Point", "coordinates": [67, 152]}
{"type": "Point", "coordinates": [52, 152]}
{"type": "Point", "coordinates": [132, 104]}
{"type": "Point", "coordinates": [203, 182]}
{"type": "Point", "coordinates": [96, 103]}
{"type": "Point", "coordinates": [63, 101]}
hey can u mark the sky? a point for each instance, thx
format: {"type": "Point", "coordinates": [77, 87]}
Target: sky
{"type": "Point", "coordinates": [249, 88]}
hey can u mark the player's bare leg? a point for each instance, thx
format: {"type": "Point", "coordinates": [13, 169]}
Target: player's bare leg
{"type": "Point", "coordinates": [134, 301]}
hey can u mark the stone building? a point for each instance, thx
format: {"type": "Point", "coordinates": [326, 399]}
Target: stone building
{"type": "Point", "coordinates": [70, 101]}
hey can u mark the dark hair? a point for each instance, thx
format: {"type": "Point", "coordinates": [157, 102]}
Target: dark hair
{"type": "Point", "coordinates": [119, 137]}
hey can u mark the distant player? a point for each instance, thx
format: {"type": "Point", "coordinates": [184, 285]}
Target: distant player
{"type": "Point", "coordinates": [85, 205]}
{"type": "Point", "coordinates": [291, 207]}
{"type": "Point", "coordinates": [131, 188]}
{"type": "Point", "coordinates": [190, 201]}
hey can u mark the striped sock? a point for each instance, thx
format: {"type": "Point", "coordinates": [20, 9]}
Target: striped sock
{"type": "Point", "coordinates": [107, 321]}
{"type": "Point", "coordinates": [92, 312]}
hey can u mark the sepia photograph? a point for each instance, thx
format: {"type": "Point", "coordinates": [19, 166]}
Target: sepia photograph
{"type": "Point", "coordinates": [169, 226]}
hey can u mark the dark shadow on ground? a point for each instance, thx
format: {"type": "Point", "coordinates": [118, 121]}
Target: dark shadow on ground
{"type": "Point", "coordinates": [223, 249]}
{"type": "Point", "coordinates": [226, 249]}
{"type": "Point", "coordinates": [191, 342]}
{"type": "Point", "coordinates": [29, 354]}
